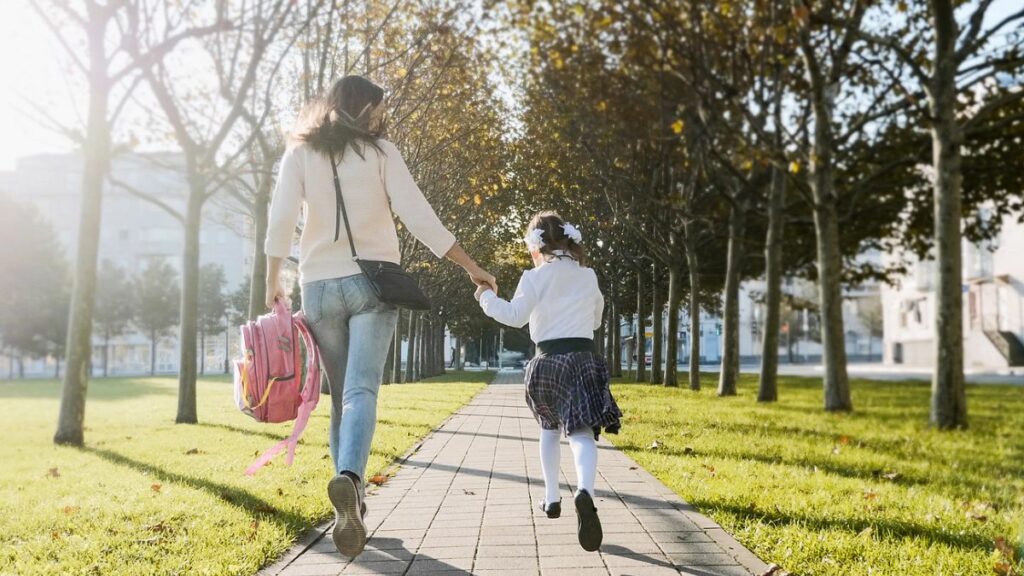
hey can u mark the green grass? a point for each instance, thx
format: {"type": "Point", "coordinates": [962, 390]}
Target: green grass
{"type": "Point", "coordinates": [147, 496]}
{"type": "Point", "coordinates": [872, 492]}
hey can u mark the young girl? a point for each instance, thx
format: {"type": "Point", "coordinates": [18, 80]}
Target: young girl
{"type": "Point", "coordinates": [567, 382]}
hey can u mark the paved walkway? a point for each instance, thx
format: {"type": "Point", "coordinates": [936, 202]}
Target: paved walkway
{"type": "Point", "coordinates": [465, 502]}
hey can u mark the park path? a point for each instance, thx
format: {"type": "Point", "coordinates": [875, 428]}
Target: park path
{"type": "Point", "coordinates": [465, 502]}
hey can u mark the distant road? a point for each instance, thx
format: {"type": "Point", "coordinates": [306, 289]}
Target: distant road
{"type": "Point", "coordinates": [1013, 377]}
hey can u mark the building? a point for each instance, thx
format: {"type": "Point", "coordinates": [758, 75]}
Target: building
{"type": "Point", "coordinates": [134, 234]}
{"type": "Point", "coordinates": [993, 308]}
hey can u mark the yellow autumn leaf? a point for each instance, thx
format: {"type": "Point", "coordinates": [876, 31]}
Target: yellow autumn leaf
{"type": "Point", "coordinates": [602, 106]}
{"type": "Point", "coordinates": [677, 126]}
{"type": "Point", "coordinates": [794, 167]}
{"type": "Point", "coordinates": [477, 199]}
{"type": "Point", "coordinates": [605, 22]}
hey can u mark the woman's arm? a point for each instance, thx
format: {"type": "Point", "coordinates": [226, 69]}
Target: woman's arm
{"type": "Point", "coordinates": [478, 275]}
{"type": "Point", "coordinates": [408, 202]}
{"type": "Point", "coordinates": [285, 207]}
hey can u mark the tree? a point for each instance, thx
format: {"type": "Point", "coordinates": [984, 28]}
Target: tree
{"type": "Point", "coordinates": [213, 306]}
{"type": "Point", "coordinates": [34, 281]}
{"type": "Point", "coordinates": [204, 124]}
{"type": "Point", "coordinates": [109, 31]}
{"type": "Point", "coordinates": [158, 300]}
{"type": "Point", "coordinates": [115, 306]}
{"type": "Point", "coordinates": [869, 312]}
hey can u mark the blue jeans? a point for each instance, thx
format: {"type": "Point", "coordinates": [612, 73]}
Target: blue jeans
{"type": "Point", "coordinates": [353, 330]}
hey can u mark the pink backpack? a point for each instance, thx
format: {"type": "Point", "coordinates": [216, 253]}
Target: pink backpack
{"type": "Point", "coordinates": [268, 377]}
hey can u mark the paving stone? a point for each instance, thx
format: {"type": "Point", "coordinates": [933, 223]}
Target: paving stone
{"type": "Point", "coordinates": [466, 503]}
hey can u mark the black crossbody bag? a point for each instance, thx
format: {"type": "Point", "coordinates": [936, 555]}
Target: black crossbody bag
{"type": "Point", "coordinates": [390, 282]}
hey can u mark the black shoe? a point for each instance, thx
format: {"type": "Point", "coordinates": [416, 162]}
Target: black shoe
{"type": "Point", "coordinates": [588, 528]}
{"type": "Point", "coordinates": [349, 533]}
{"type": "Point", "coordinates": [553, 510]}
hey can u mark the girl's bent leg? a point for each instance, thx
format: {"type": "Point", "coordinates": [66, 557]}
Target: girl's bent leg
{"type": "Point", "coordinates": [370, 336]}
{"type": "Point", "coordinates": [584, 452]}
{"type": "Point", "coordinates": [327, 317]}
{"type": "Point", "coordinates": [550, 455]}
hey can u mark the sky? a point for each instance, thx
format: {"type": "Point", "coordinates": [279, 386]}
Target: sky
{"type": "Point", "coordinates": [31, 71]}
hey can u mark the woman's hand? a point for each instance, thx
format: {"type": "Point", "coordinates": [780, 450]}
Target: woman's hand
{"type": "Point", "coordinates": [483, 279]}
{"type": "Point", "coordinates": [274, 288]}
{"type": "Point", "coordinates": [274, 292]}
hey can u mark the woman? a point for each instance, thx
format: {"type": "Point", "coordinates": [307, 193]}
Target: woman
{"type": "Point", "coordinates": [352, 327]}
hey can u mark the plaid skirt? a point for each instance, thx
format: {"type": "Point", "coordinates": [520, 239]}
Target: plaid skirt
{"type": "Point", "coordinates": [571, 391]}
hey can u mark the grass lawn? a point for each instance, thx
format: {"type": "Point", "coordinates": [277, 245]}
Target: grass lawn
{"type": "Point", "coordinates": [872, 492]}
{"type": "Point", "coordinates": [147, 496]}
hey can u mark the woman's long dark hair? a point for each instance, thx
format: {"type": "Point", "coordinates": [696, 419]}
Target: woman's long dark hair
{"type": "Point", "coordinates": [554, 236]}
{"type": "Point", "coordinates": [342, 118]}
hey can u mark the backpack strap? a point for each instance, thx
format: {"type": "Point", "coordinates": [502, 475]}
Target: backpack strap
{"type": "Point", "coordinates": [310, 398]}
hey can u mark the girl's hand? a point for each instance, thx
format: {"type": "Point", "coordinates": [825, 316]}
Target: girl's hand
{"type": "Point", "coordinates": [480, 289]}
{"type": "Point", "coordinates": [275, 291]}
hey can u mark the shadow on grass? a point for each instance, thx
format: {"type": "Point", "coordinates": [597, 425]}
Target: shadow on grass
{"type": "Point", "coordinates": [882, 528]}
{"type": "Point", "coordinates": [252, 504]}
{"type": "Point", "coordinates": [244, 431]}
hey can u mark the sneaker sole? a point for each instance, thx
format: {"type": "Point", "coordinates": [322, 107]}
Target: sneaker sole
{"type": "Point", "coordinates": [349, 532]}
{"type": "Point", "coordinates": [588, 528]}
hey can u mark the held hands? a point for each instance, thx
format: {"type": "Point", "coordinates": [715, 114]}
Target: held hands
{"type": "Point", "coordinates": [480, 289]}
{"type": "Point", "coordinates": [483, 279]}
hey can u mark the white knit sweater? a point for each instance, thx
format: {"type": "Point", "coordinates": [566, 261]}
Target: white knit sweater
{"type": "Point", "coordinates": [369, 185]}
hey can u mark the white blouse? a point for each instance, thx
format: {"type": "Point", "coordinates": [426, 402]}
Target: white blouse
{"type": "Point", "coordinates": [559, 299]}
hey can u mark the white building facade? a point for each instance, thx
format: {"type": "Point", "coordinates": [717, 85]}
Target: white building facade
{"type": "Point", "coordinates": [134, 234]}
{"type": "Point", "coordinates": [993, 308]}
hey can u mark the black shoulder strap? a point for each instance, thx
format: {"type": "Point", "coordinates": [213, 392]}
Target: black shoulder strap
{"type": "Point", "coordinates": [340, 200]}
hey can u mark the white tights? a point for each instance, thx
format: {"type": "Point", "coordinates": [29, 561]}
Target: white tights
{"type": "Point", "coordinates": [584, 452]}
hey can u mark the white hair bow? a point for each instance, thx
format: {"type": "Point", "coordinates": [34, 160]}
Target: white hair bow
{"type": "Point", "coordinates": [572, 233]}
{"type": "Point", "coordinates": [534, 240]}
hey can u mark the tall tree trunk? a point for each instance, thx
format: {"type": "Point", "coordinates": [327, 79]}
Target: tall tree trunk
{"type": "Point", "coordinates": [641, 328]}
{"type": "Point", "coordinates": [227, 349]}
{"type": "Point", "coordinates": [457, 359]}
{"type": "Point", "coordinates": [657, 312]}
{"type": "Point", "coordinates": [949, 399]}
{"type": "Point", "coordinates": [675, 295]}
{"type": "Point", "coordinates": [397, 359]}
{"type": "Point", "coordinates": [729, 373]}
{"type": "Point", "coordinates": [71, 419]}
{"type": "Point", "coordinates": [768, 388]}
{"type": "Point", "coordinates": [826, 227]}
{"type": "Point", "coordinates": [152, 353]}
{"type": "Point", "coordinates": [389, 363]}
{"type": "Point", "coordinates": [410, 353]}
{"type": "Point", "coordinates": [609, 335]}
{"type": "Point", "coordinates": [187, 329]}
{"type": "Point", "coordinates": [693, 266]}
{"type": "Point", "coordinates": [258, 272]}
{"type": "Point", "coordinates": [106, 354]}
{"type": "Point", "coordinates": [617, 350]}
{"type": "Point", "coordinates": [440, 349]}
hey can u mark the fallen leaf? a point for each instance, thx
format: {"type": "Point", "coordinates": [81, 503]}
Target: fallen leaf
{"type": "Point", "coordinates": [378, 479]}
{"type": "Point", "coordinates": [844, 440]}
{"type": "Point", "coordinates": [53, 473]}
{"type": "Point", "coordinates": [1003, 568]}
{"type": "Point", "coordinates": [468, 492]}
{"type": "Point", "coordinates": [891, 475]}
{"type": "Point", "coordinates": [1005, 549]}
{"type": "Point", "coordinates": [633, 467]}
{"type": "Point", "coordinates": [155, 488]}
{"type": "Point", "coordinates": [194, 451]}
{"type": "Point", "coordinates": [654, 445]}
{"type": "Point", "coordinates": [870, 495]}
{"type": "Point", "coordinates": [70, 509]}
{"type": "Point", "coordinates": [158, 528]}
